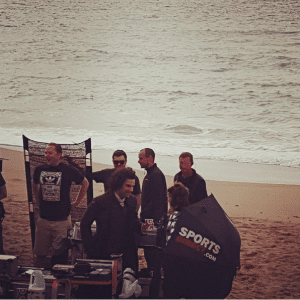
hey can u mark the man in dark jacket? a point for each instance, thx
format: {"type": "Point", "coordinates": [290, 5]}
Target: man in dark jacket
{"type": "Point", "coordinates": [119, 159]}
{"type": "Point", "coordinates": [154, 204]}
{"type": "Point", "coordinates": [188, 176]}
{"type": "Point", "coordinates": [116, 221]}
{"type": "Point", "coordinates": [154, 190]}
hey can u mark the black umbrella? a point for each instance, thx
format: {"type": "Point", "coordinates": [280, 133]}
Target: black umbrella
{"type": "Point", "coordinates": [205, 234]}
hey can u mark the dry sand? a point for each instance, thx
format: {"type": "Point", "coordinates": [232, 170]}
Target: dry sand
{"type": "Point", "coordinates": [267, 217]}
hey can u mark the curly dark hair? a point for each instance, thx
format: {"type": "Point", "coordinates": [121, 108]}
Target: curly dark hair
{"type": "Point", "coordinates": [119, 177]}
{"type": "Point", "coordinates": [179, 196]}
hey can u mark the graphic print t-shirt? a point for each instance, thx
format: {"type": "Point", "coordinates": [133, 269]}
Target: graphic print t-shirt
{"type": "Point", "coordinates": [51, 185]}
{"type": "Point", "coordinates": [55, 183]}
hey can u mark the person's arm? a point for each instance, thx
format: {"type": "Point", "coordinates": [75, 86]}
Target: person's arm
{"type": "Point", "coordinates": [36, 185]}
{"type": "Point", "coordinates": [160, 199]}
{"type": "Point", "coordinates": [146, 198]}
{"type": "Point", "coordinates": [137, 193]}
{"type": "Point", "coordinates": [137, 222]}
{"type": "Point", "coordinates": [157, 196]}
{"type": "Point", "coordinates": [175, 178]}
{"type": "Point", "coordinates": [3, 192]}
{"type": "Point", "coordinates": [72, 163]}
{"type": "Point", "coordinates": [201, 191]}
{"type": "Point", "coordinates": [36, 192]}
{"type": "Point", "coordinates": [82, 192]}
{"type": "Point", "coordinates": [85, 225]}
{"type": "Point", "coordinates": [99, 176]}
{"type": "Point", "coordinates": [138, 200]}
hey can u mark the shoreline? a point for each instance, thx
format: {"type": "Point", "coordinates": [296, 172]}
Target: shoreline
{"type": "Point", "coordinates": [210, 170]}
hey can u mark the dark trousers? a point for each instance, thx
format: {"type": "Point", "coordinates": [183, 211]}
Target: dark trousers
{"type": "Point", "coordinates": [149, 254]}
{"type": "Point", "coordinates": [130, 258]}
{"type": "Point", "coordinates": [155, 284]}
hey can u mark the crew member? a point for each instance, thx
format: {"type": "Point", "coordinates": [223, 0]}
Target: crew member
{"type": "Point", "coordinates": [154, 203]}
{"type": "Point", "coordinates": [51, 187]}
{"type": "Point", "coordinates": [119, 159]}
{"type": "Point", "coordinates": [188, 176]}
{"type": "Point", "coordinates": [116, 221]}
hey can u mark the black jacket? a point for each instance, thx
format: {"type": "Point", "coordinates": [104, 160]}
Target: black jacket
{"type": "Point", "coordinates": [115, 226]}
{"type": "Point", "coordinates": [196, 185]}
{"type": "Point", "coordinates": [154, 203]}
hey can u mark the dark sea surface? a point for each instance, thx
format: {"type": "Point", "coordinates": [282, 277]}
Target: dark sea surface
{"type": "Point", "coordinates": [220, 79]}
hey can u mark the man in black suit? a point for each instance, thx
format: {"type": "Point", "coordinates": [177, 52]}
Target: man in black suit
{"type": "Point", "coordinates": [116, 221]}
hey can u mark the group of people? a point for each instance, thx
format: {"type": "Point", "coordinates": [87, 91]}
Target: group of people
{"type": "Point", "coordinates": [153, 200]}
{"type": "Point", "coordinates": [117, 206]}
{"type": "Point", "coordinates": [118, 225]}
{"type": "Point", "coordinates": [115, 212]}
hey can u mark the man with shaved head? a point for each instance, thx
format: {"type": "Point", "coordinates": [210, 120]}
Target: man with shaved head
{"type": "Point", "coordinates": [154, 203]}
{"type": "Point", "coordinates": [188, 177]}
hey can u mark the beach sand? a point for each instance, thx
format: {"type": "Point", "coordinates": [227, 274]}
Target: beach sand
{"type": "Point", "coordinates": [267, 217]}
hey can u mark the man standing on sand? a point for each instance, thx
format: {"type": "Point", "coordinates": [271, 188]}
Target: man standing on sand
{"type": "Point", "coordinates": [51, 187]}
{"type": "Point", "coordinates": [154, 204]}
{"type": "Point", "coordinates": [3, 194]}
{"type": "Point", "coordinates": [116, 221]}
{"type": "Point", "coordinates": [119, 159]}
{"type": "Point", "coordinates": [188, 177]}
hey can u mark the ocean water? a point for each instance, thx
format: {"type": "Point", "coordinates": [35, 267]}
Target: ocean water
{"type": "Point", "coordinates": [219, 79]}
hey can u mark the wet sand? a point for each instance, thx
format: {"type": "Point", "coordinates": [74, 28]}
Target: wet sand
{"type": "Point", "coordinates": [267, 217]}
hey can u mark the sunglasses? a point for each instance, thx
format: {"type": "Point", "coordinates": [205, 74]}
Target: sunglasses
{"type": "Point", "coordinates": [119, 162]}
